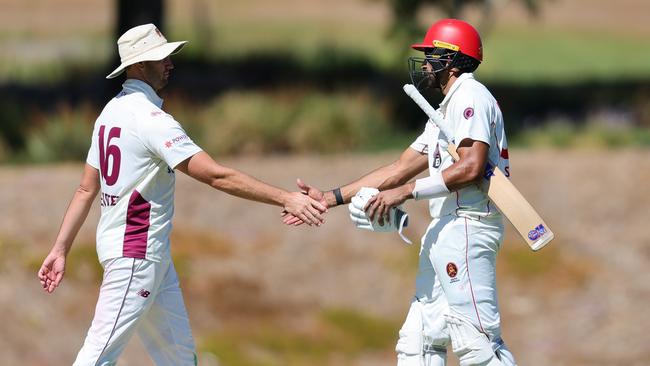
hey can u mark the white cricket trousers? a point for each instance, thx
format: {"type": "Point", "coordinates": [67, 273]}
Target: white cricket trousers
{"type": "Point", "coordinates": [457, 269]}
{"type": "Point", "coordinates": [143, 296]}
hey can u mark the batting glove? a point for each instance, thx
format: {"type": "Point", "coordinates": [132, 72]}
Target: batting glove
{"type": "Point", "coordinates": [397, 220]}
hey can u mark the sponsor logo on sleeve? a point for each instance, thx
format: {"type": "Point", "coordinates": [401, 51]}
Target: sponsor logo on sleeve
{"type": "Point", "coordinates": [176, 140]}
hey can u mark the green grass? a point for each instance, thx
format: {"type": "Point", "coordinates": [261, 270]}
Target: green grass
{"type": "Point", "coordinates": [524, 54]}
{"type": "Point", "coordinates": [528, 55]}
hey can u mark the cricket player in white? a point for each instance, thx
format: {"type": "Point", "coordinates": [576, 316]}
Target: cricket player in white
{"type": "Point", "coordinates": [136, 148]}
{"type": "Point", "coordinates": [455, 298]}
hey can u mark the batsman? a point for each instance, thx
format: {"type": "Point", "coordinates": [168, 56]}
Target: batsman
{"type": "Point", "coordinates": [455, 298]}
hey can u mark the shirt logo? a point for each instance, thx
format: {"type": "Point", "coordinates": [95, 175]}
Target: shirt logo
{"type": "Point", "coordinates": [452, 270]}
{"type": "Point", "coordinates": [175, 140]}
{"type": "Point", "coordinates": [144, 293]}
{"type": "Point", "coordinates": [468, 113]}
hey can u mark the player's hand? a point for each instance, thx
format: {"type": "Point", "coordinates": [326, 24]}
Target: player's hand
{"type": "Point", "coordinates": [380, 204]}
{"type": "Point", "coordinates": [52, 270]}
{"type": "Point", "coordinates": [305, 208]}
{"type": "Point", "coordinates": [311, 191]}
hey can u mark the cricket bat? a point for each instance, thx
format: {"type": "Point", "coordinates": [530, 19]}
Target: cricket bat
{"type": "Point", "coordinates": [501, 191]}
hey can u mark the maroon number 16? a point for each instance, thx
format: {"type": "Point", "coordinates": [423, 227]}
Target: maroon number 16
{"type": "Point", "coordinates": [106, 151]}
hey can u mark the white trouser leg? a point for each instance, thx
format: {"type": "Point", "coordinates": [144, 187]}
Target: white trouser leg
{"type": "Point", "coordinates": [463, 253]}
{"type": "Point", "coordinates": [165, 329]}
{"type": "Point", "coordinates": [424, 337]}
{"type": "Point", "coordinates": [120, 307]}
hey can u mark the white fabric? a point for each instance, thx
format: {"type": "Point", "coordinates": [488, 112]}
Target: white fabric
{"type": "Point", "coordinates": [143, 296]}
{"type": "Point", "coordinates": [139, 145]}
{"type": "Point", "coordinates": [430, 187]}
{"type": "Point", "coordinates": [484, 123]}
{"type": "Point", "coordinates": [458, 262]}
{"type": "Point", "coordinates": [397, 217]}
{"type": "Point", "coordinates": [424, 337]}
{"type": "Point", "coordinates": [459, 248]}
{"type": "Point", "coordinates": [143, 43]}
{"type": "Point", "coordinates": [472, 347]}
{"type": "Point", "coordinates": [410, 342]}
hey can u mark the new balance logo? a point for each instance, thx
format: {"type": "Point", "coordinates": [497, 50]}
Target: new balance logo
{"type": "Point", "coordinates": [144, 293]}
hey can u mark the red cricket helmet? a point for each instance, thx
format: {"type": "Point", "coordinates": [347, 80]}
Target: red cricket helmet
{"type": "Point", "coordinates": [455, 35]}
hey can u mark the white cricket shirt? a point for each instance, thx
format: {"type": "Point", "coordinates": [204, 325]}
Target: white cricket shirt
{"type": "Point", "coordinates": [473, 113]}
{"type": "Point", "coordinates": [135, 146]}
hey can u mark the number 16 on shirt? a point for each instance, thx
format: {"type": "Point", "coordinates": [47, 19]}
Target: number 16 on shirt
{"type": "Point", "coordinates": [502, 192]}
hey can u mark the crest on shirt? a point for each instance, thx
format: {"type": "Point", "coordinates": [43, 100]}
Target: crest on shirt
{"type": "Point", "coordinates": [468, 112]}
{"type": "Point", "coordinates": [452, 270]}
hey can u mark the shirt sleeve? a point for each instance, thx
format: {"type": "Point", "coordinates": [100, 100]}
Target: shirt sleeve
{"type": "Point", "coordinates": [421, 143]}
{"type": "Point", "coordinates": [472, 117]}
{"type": "Point", "coordinates": [165, 137]}
{"type": "Point", "coordinates": [93, 152]}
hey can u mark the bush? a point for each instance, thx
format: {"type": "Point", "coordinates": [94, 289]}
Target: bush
{"type": "Point", "coordinates": [62, 137]}
{"type": "Point", "coordinates": [289, 121]}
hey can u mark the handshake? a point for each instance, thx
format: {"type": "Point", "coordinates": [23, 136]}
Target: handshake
{"type": "Point", "coordinates": [394, 219]}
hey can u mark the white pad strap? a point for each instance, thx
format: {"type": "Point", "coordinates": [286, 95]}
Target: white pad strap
{"type": "Point", "coordinates": [471, 346]}
{"type": "Point", "coordinates": [430, 187]}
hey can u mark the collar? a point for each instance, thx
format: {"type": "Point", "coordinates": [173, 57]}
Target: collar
{"type": "Point", "coordinates": [139, 86]}
{"type": "Point", "coordinates": [455, 86]}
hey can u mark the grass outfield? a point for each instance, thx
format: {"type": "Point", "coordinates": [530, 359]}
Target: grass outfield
{"type": "Point", "coordinates": [519, 49]}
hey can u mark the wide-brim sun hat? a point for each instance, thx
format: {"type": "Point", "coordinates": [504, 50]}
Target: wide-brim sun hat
{"type": "Point", "coordinates": [143, 43]}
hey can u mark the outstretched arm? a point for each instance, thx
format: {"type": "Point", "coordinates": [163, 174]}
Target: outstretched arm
{"type": "Point", "coordinates": [203, 168]}
{"type": "Point", "coordinates": [468, 170]}
{"type": "Point", "coordinates": [395, 174]}
{"type": "Point", "coordinates": [53, 268]}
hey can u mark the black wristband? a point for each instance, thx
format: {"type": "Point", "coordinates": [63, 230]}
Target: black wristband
{"type": "Point", "coordinates": [338, 196]}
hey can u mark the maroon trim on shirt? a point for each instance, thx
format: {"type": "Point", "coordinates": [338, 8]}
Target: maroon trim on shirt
{"type": "Point", "coordinates": [137, 227]}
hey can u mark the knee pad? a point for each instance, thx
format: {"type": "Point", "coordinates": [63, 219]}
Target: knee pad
{"type": "Point", "coordinates": [502, 352]}
{"type": "Point", "coordinates": [472, 347]}
{"type": "Point", "coordinates": [410, 336]}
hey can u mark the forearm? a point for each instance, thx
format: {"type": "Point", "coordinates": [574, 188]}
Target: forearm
{"type": "Point", "coordinates": [393, 175]}
{"type": "Point", "coordinates": [73, 219]}
{"type": "Point", "coordinates": [382, 178]}
{"type": "Point", "coordinates": [244, 186]}
{"type": "Point", "coordinates": [204, 169]}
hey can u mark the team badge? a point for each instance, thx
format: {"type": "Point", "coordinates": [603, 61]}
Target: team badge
{"type": "Point", "coordinates": [468, 113]}
{"type": "Point", "coordinates": [452, 270]}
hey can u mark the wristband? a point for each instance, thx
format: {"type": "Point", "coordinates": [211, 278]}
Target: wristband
{"type": "Point", "coordinates": [338, 196]}
{"type": "Point", "coordinates": [430, 187]}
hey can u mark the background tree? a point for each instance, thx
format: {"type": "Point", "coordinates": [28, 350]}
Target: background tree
{"type": "Point", "coordinates": [405, 23]}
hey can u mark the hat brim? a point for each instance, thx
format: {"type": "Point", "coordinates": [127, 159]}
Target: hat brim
{"type": "Point", "coordinates": [155, 54]}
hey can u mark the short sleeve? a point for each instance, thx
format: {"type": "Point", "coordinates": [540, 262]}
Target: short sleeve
{"type": "Point", "coordinates": [93, 152]}
{"type": "Point", "coordinates": [472, 117]}
{"type": "Point", "coordinates": [165, 137]}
